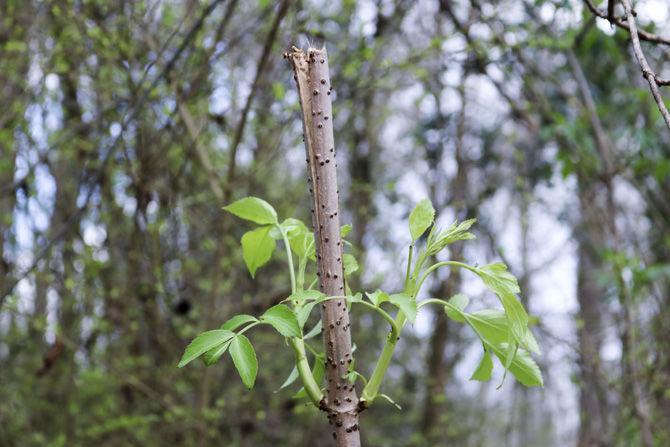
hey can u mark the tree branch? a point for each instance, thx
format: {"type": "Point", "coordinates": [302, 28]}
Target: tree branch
{"type": "Point", "coordinates": [644, 35]}
{"type": "Point", "coordinates": [647, 72]}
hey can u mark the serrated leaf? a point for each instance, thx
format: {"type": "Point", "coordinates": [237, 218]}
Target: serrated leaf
{"type": "Point", "coordinates": [421, 218]}
{"type": "Point", "coordinates": [203, 343]}
{"type": "Point", "coordinates": [406, 304]}
{"type": "Point", "coordinates": [460, 302]}
{"type": "Point", "coordinates": [350, 264]}
{"type": "Point", "coordinates": [244, 358]}
{"type": "Point", "coordinates": [283, 319]}
{"type": "Point", "coordinates": [377, 297]}
{"type": "Point", "coordinates": [530, 343]}
{"type": "Point", "coordinates": [237, 321]}
{"type": "Point", "coordinates": [498, 278]}
{"type": "Point", "coordinates": [257, 248]}
{"type": "Point", "coordinates": [490, 324]}
{"type": "Point", "coordinates": [484, 369]}
{"type": "Point", "coordinates": [456, 232]}
{"type": "Point", "coordinates": [493, 326]}
{"type": "Point", "coordinates": [522, 367]}
{"type": "Point", "coordinates": [504, 284]}
{"type": "Point", "coordinates": [253, 209]}
{"type": "Point", "coordinates": [213, 355]}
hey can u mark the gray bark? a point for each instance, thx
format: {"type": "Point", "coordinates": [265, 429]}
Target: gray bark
{"type": "Point", "coordinates": [313, 79]}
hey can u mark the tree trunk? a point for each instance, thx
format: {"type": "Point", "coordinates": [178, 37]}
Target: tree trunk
{"type": "Point", "coordinates": [593, 408]}
{"type": "Point", "coordinates": [313, 80]}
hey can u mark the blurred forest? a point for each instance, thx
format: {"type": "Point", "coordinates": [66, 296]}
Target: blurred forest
{"type": "Point", "coordinates": [125, 126]}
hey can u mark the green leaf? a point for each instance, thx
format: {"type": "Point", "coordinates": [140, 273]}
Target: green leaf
{"type": "Point", "coordinates": [490, 324]}
{"type": "Point", "coordinates": [291, 227]}
{"type": "Point", "coordinates": [357, 298]}
{"type": "Point", "coordinates": [377, 297]}
{"type": "Point", "coordinates": [213, 355]}
{"type": "Point", "coordinates": [283, 319]}
{"type": "Point", "coordinates": [492, 327]}
{"type": "Point", "coordinates": [483, 371]}
{"type": "Point", "coordinates": [497, 278]}
{"type": "Point", "coordinates": [522, 367]}
{"type": "Point", "coordinates": [456, 232]}
{"type": "Point", "coordinates": [345, 230]}
{"type": "Point", "coordinates": [316, 330]}
{"type": "Point", "coordinates": [303, 296]}
{"type": "Point", "coordinates": [459, 301]}
{"type": "Point", "coordinates": [350, 264]}
{"type": "Point", "coordinates": [203, 343]}
{"type": "Point", "coordinates": [406, 304]}
{"type": "Point", "coordinates": [301, 240]}
{"type": "Point", "coordinates": [237, 321]}
{"type": "Point", "coordinates": [244, 358]}
{"type": "Point", "coordinates": [290, 379]}
{"type": "Point", "coordinates": [257, 248]}
{"type": "Point", "coordinates": [253, 209]}
{"type": "Point", "coordinates": [421, 218]}
{"type": "Point", "coordinates": [530, 343]}
{"type": "Point", "coordinates": [302, 313]}
{"type": "Point", "coordinates": [504, 284]}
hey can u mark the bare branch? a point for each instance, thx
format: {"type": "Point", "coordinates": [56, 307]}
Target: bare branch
{"type": "Point", "coordinates": [647, 72]}
{"type": "Point", "coordinates": [644, 35]}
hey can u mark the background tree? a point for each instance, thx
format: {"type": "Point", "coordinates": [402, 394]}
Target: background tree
{"type": "Point", "coordinates": [127, 125]}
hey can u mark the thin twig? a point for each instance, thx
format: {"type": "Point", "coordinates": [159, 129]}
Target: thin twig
{"type": "Point", "coordinates": [260, 68]}
{"type": "Point", "coordinates": [644, 35]}
{"type": "Point", "coordinates": [647, 72]}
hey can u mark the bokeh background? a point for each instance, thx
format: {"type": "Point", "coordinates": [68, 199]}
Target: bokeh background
{"type": "Point", "coordinates": [125, 126]}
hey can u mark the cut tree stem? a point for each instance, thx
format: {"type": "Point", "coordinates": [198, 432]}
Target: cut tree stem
{"type": "Point", "coordinates": [312, 77]}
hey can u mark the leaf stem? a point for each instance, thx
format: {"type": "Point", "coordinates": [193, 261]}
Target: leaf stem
{"type": "Point", "coordinates": [436, 266]}
{"type": "Point", "coordinates": [409, 264]}
{"type": "Point", "coordinates": [434, 301]}
{"type": "Point", "coordinates": [298, 344]}
{"type": "Point", "coordinates": [311, 387]}
{"type": "Point", "coordinates": [372, 388]}
{"type": "Point", "coordinates": [255, 323]}
{"type": "Point", "coordinates": [289, 257]}
{"type": "Point", "coordinates": [395, 330]}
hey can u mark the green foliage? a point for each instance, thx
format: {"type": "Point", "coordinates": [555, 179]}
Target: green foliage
{"type": "Point", "coordinates": [244, 358]}
{"type": "Point", "coordinates": [505, 286]}
{"type": "Point", "coordinates": [253, 209]}
{"type": "Point", "coordinates": [484, 369]}
{"type": "Point", "coordinates": [421, 218]}
{"type": "Point", "coordinates": [237, 321]}
{"type": "Point", "coordinates": [203, 343]}
{"type": "Point", "coordinates": [257, 248]}
{"type": "Point", "coordinates": [504, 333]}
{"type": "Point", "coordinates": [437, 241]}
{"type": "Point", "coordinates": [377, 297]}
{"type": "Point", "coordinates": [406, 304]}
{"type": "Point", "coordinates": [283, 320]}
